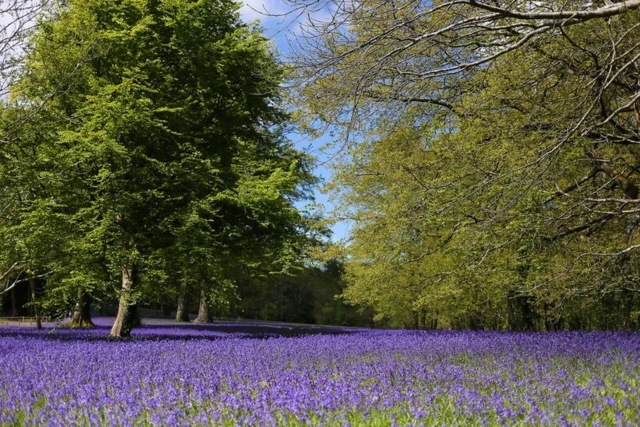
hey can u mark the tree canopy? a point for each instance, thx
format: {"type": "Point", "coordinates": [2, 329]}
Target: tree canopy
{"type": "Point", "coordinates": [489, 161]}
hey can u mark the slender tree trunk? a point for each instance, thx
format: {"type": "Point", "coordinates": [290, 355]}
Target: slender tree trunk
{"type": "Point", "coordinates": [182, 312]}
{"type": "Point", "coordinates": [125, 318]}
{"type": "Point", "coordinates": [203, 309]}
{"type": "Point", "coordinates": [14, 303]}
{"type": "Point", "coordinates": [82, 315]}
{"type": "Point", "coordinates": [32, 284]}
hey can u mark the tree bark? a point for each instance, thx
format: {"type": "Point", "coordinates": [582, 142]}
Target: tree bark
{"type": "Point", "coordinates": [203, 309]}
{"type": "Point", "coordinates": [14, 303]}
{"type": "Point", "coordinates": [34, 301]}
{"type": "Point", "coordinates": [125, 319]}
{"type": "Point", "coordinates": [182, 312]}
{"type": "Point", "coordinates": [82, 315]}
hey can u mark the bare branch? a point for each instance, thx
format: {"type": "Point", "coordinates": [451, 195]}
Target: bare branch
{"type": "Point", "coordinates": [566, 16]}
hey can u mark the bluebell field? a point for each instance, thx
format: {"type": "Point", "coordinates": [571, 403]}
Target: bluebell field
{"type": "Point", "coordinates": [201, 376]}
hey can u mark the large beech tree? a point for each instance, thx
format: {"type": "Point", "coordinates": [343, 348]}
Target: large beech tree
{"type": "Point", "coordinates": [169, 135]}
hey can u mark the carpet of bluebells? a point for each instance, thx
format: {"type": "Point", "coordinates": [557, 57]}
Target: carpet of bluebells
{"type": "Point", "coordinates": [208, 375]}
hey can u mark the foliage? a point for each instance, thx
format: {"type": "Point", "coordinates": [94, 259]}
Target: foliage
{"type": "Point", "coordinates": [490, 160]}
{"type": "Point", "coordinates": [311, 296]}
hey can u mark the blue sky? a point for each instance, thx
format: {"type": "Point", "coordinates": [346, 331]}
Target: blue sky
{"type": "Point", "coordinates": [282, 30]}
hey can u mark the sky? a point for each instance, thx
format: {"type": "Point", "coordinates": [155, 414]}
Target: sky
{"type": "Point", "coordinates": [282, 30]}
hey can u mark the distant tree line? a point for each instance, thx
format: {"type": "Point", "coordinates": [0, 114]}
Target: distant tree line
{"type": "Point", "coordinates": [310, 295]}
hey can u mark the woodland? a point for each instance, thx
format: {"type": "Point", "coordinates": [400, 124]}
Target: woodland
{"type": "Point", "coordinates": [486, 157]}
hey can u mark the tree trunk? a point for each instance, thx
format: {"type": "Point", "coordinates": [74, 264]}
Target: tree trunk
{"type": "Point", "coordinates": [203, 310]}
{"type": "Point", "coordinates": [82, 315]}
{"type": "Point", "coordinates": [32, 284]}
{"type": "Point", "coordinates": [126, 317]}
{"type": "Point", "coordinates": [14, 304]}
{"type": "Point", "coordinates": [415, 319]}
{"type": "Point", "coordinates": [182, 313]}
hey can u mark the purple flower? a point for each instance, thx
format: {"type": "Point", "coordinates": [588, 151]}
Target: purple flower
{"type": "Point", "coordinates": [197, 376]}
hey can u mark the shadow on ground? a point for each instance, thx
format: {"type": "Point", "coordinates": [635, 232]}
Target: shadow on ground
{"type": "Point", "coordinates": [164, 329]}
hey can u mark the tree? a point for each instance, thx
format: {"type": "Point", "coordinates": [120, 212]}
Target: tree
{"type": "Point", "coordinates": [32, 227]}
{"type": "Point", "coordinates": [521, 170]}
{"type": "Point", "coordinates": [170, 134]}
{"type": "Point", "coordinates": [18, 19]}
{"type": "Point", "coordinates": [373, 58]}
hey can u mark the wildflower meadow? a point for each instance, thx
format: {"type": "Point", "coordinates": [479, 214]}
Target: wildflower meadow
{"type": "Point", "coordinates": [205, 375]}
